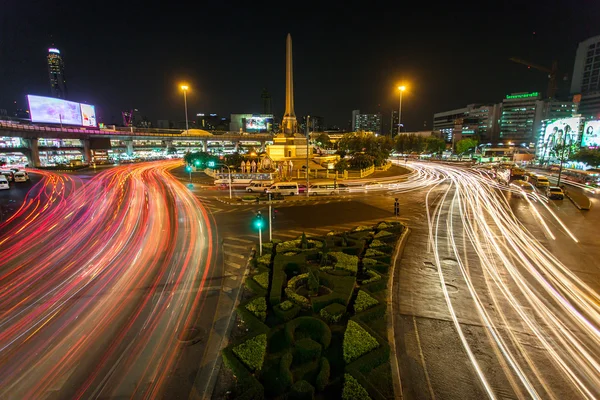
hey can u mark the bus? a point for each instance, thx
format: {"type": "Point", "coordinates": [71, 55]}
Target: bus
{"type": "Point", "coordinates": [589, 177]}
{"type": "Point", "coordinates": [243, 179]}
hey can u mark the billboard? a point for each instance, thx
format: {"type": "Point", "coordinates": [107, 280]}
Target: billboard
{"type": "Point", "coordinates": [561, 131]}
{"type": "Point", "coordinates": [591, 134]}
{"type": "Point", "coordinates": [258, 124]}
{"type": "Point", "coordinates": [54, 111]}
{"type": "Point", "coordinates": [88, 115]}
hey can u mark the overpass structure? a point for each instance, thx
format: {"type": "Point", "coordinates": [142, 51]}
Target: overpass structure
{"type": "Point", "coordinates": [123, 137]}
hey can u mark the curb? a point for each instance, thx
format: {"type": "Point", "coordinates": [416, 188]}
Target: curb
{"type": "Point", "coordinates": [298, 199]}
{"type": "Point", "coordinates": [577, 204]}
{"type": "Point", "coordinates": [218, 364]}
{"type": "Point", "coordinates": [390, 310]}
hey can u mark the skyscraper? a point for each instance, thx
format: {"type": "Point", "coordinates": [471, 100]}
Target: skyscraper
{"type": "Point", "coordinates": [586, 71]}
{"type": "Point", "coordinates": [56, 72]}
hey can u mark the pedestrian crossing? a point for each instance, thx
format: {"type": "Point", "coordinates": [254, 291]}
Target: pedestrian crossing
{"type": "Point", "coordinates": [217, 207]}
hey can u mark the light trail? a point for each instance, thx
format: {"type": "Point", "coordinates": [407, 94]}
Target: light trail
{"type": "Point", "coordinates": [97, 284]}
{"type": "Point", "coordinates": [518, 288]}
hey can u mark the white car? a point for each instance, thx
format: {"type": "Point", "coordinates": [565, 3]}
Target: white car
{"type": "Point", "coordinates": [4, 183]}
{"type": "Point", "coordinates": [258, 187]}
{"type": "Point", "coordinates": [21, 176]}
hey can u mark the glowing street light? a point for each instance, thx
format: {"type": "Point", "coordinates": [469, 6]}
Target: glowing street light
{"type": "Point", "coordinates": [401, 89]}
{"type": "Point", "coordinates": [185, 88]}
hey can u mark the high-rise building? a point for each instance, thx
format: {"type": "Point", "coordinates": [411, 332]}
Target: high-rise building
{"type": "Point", "coordinates": [394, 123]}
{"type": "Point", "coordinates": [266, 102]}
{"type": "Point", "coordinates": [586, 70]}
{"type": "Point", "coordinates": [56, 71]}
{"type": "Point", "coordinates": [368, 123]}
{"type": "Point", "coordinates": [478, 120]}
{"type": "Point", "coordinates": [517, 122]}
{"type": "Point", "coordinates": [316, 124]}
{"type": "Point", "coordinates": [445, 121]}
{"type": "Point", "coordinates": [355, 114]}
{"type": "Point", "coordinates": [589, 105]}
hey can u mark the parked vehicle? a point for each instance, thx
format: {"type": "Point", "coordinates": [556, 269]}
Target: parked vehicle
{"type": "Point", "coordinates": [4, 183]}
{"type": "Point", "coordinates": [21, 176]}
{"type": "Point", "coordinates": [284, 188]}
{"type": "Point", "coordinates": [8, 174]}
{"type": "Point", "coordinates": [554, 192]}
{"type": "Point", "coordinates": [258, 187]}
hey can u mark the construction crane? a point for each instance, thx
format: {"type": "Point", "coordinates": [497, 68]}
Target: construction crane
{"type": "Point", "coordinates": [552, 74]}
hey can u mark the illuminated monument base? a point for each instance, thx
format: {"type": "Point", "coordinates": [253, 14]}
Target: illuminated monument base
{"type": "Point", "coordinates": [287, 147]}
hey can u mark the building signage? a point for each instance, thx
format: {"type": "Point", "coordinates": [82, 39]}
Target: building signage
{"type": "Point", "coordinates": [522, 95]}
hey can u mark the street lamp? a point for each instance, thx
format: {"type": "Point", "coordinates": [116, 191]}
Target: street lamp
{"type": "Point", "coordinates": [401, 89]}
{"type": "Point", "coordinates": [212, 164]}
{"type": "Point", "coordinates": [307, 136]}
{"type": "Point", "coordinates": [185, 89]}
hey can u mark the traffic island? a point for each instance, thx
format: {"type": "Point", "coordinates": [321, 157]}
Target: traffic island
{"type": "Point", "coordinates": [580, 200]}
{"type": "Point", "coordinates": [315, 323]}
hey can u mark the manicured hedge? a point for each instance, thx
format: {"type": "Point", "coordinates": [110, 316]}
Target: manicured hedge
{"type": "Point", "coordinates": [323, 376]}
{"type": "Point", "coordinates": [301, 390]}
{"type": "Point", "coordinates": [278, 280]}
{"type": "Point", "coordinates": [264, 260]}
{"type": "Point", "coordinates": [258, 307]}
{"type": "Point", "coordinates": [373, 277]}
{"type": "Point", "coordinates": [364, 301]}
{"type": "Point", "coordinates": [267, 247]}
{"type": "Point", "coordinates": [302, 301]}
{"type": "Point", "coordinates": [297, 280]}
{"type": "Point", "coordinates": [255, 325]}
{"type": "Point", "coordinates": [315, 328]}
{"type": "Point", "coordinates": [287, 314]}
{"type": "Point", "coordinates": [377, 243]}
{"type": "Point", "coordinates": [374, 253]}
{"type": "Point", "coordinates": [307, 349]}
{"type": "Point", "coordinates": [371, 314]}
{"type": "Point", "coordinates": [247, 384]}
{"type": "Point", "coordinates": [255, 287]}
{"type": "Point", "coordinates": [353, 390]}
{"type": "Point", "coordinates": [252, 352]}
{"type": "Point", "coordinates": [368, 262]}
{"type": "Point", "coordinates": [382, 234]}
{"type": "Point", "coordinates": [333, 313]}
{"type": "Point", "coordinates": [262, 279]}
{"type": "Point", "coordinates": [344, 261]}
{"type": "Point", "coordinates": [357, 342]}
{"type": "Point", "coordinates": [286, 376]}
{"type": "Point", "coordinates": [342, 288]}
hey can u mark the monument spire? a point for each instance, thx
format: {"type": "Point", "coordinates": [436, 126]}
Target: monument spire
{"type": "Point", "coordinates": [289, 118]}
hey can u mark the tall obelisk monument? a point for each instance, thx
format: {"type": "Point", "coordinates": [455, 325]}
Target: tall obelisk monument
{"type": "Point", "coordinates": [289, 123]}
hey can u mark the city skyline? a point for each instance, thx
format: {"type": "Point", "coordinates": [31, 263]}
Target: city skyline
{"type": "Point", "coordinates": [139, 68]}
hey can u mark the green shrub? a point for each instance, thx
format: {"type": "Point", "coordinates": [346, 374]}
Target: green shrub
{"type": "Point", "coordinates": [253, 324]}
{"type": "Point", "coordinates": [287, 314]}
{"type": "Point", "coordinates": [288, 245]}
{"type": "Point", "coordinates": [353, 390]}
{"type": "Point", "coordinates": [373, 276]}
{"type": "Point", "coordinates": [381, 234]}
{"type": "Point", "coordinates": [345, 261]}
{"type": "Point", "coordinates": [371, 314]}
{"type": "Point", "coordinates": [258, 307]}
{"type": "Point", "coordinates": [384, 225]}
{"type": "Point", "coordinates": [312, 283]}
{"type": "Point", "coordinates": [297, 280]}
{"type": "Point", "coordinates": [364, 301]}
{"type": "Point", "coordinates": [298, 299]}
{"type": "Point", "coordinates": [262, 279]}
{"type": "Point", "coordinates": [357, 342]}
{"type": "Point", "coordinates": [286, 305]}
{"type": "Point", "coordinates": [374, 253]}
{"type": "Point", "coordinates": [247, 384]}
{"type": "Point", "coordinates": [377, 243]}
{"type": "Point", "coordinates": [380, 267]}
{"type": "Point", "coordinates": [252, 352]}
{"type": "Point", "coordinates": [368, 262]}
{"type": "Point", "coordinates": [307, 349]}
{"type": "Point", "coordinates": [268, 247]}
{"type": "Point", "coordinates": [264, 260]}
{"type": "Point", "coordinates": [323, 376]}
{"type": "Point", "coordinates": [342, 288]}
{"type": "Point", "coordinates": [313, 327]}
{"type": "Point", "coordinates": [362, 228]}
{"type": "Point", "coordinates": [301, 390]}
{"type": "Point", "coordinates": [327, 268]}
{"type": "Point", "coordinates": [290, 253]}
{"type": "Point", "coordinates": [284, 370]}
{"type": "Point", "coordinates": [333, 312]}
{"type": "Point", "coordinates": [277, 280]}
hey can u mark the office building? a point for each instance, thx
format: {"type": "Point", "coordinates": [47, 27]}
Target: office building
{"type": "Point", "coordinates": [355, 113]}
{"type": "Point", "coordinates": [487, 116]}
{"type": "Point", "coordinates": [266, 102]}
{"type": "Point", "coordinates": [444, 121]}
{"type": "Point", "coordinates": [518, 117]}
{"type": "Point", "coordinates": [586, 70]}
{"type": "Point", "coordinates": [316, 124]}
{"type": "Point", "coordinates": [367, 123]}
{"type": "Point", "coordinates": [394, 123]}
{"type": "Point", "coordinates": [56, 72]}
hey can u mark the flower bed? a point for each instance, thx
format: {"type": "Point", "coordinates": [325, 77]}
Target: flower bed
{"type": "Point", "coordinates": [357, 342]}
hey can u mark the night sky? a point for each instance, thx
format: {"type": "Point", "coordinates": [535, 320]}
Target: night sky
{"type": "Point", "coordinates": [353, 55]}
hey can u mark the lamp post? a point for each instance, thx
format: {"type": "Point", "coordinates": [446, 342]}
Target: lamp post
{"type": "Point", "coordinates": [401, 89]}
{"type": "Point", "coordinates": [228, 169]}
{"type": "Point", "coordinates": [185, 89]}
{"type": "Point", "coordinates": [307, 137]}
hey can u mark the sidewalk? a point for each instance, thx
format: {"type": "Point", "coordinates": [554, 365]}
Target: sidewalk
{"type": "Point", "coordinates": [580, 200]}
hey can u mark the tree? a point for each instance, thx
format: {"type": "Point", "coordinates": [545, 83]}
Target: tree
{"type": "Point", "coordinates": [361, 161]}
{"type": "Point", "coordinates": [313, 283]}
{"type": "Point", "coordinates": [303, 242]}
{"type": "Point", "coordinates": [464, 145]}
{"type": "Point", "coordinates": [324, 141]}
{"type": "Point", "coordinates": [434, 145]}
{"type": "Point", "coordinates": [171, 150]}
{"type": "Point", "coordinates": [587, 156]}
{"type": "Point", "coordinates": [198, 158]}
{"type": "Point", "coordinates": [234, 159]}
{"type": "Point", "coordinates": [342, 165]}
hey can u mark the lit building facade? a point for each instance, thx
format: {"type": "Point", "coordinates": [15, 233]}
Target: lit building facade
{"type": "Point", "coordinates": [586, 70]}
{"type": "Point", "coordinates": [444, 121]}
{"type": "Point", "coordinates": [368, 123]}
{"type": "Point", "coordinates": [56, 72]}
{"type": "Point", "coordinates": [518, 118]}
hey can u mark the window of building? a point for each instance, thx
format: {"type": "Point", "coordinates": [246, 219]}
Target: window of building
{"type": "Point", "coordinates": [589, 60]}
{"type": "Point", "coordinates": [586, 74]}
{"type": "Point", "coordinates": [590, 53]}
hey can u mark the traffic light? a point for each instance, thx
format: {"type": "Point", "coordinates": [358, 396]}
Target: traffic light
{"type": "Point", "coordinates": [396, 207]}
{"type": "Point", "coordinates": [211, 164]}
{"type": "Point", "coordinates": [197, 163]}
{"type": "Point", "coordinates": [188, 168]}
{"type": "Point", "coordinates": [274, 213]}
{"type": "Point", "coordinates": [258, 221]}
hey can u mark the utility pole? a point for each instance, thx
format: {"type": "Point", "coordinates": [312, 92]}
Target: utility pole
{"type": "Point", "coordinates": [270, 220]}
{"type": "Point", "coordinates": [307, 138]}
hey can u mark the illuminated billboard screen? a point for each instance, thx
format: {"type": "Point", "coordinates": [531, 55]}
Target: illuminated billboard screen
{"type": "Point", "coordinates": [54, 111]}
{"type": "Point", "coordinates": [258, 124]}
{"type": "Point", "coordinates": [591, 134]}
{"type": "Point", "coordinates": [562, 131]}
{"type": "Point", "coordinates": [88, 115]}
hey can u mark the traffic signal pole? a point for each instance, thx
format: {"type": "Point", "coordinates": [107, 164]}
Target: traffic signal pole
{"type": "Point", "coordinates": [270, 220]}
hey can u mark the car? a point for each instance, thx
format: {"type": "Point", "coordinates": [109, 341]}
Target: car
{"type": "Point", "coordinates": [8, 174]}
{"type": "Point", "coordinates": [323, 188]}
{"type": "Point", "coordinates": [284, 188]}
{"type": "Point", "coordinates": [4, 183]}
{"type": "Point", "coordinates": [301, 188]}
{"type": "Point", "coordinates": [258, 187]}
{"type": "Point", "coordinates": [554, 192]}
{"type": "Point", "coordinates": [21, 176]}
{"type": "Point", "coordinates": [373, 185]}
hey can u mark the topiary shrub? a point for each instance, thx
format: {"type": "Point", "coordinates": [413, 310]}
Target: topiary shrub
{"type": "Point", "coordinates": [307, 349]}
{"type": "Point", "coordinates": [312, 283]}
{"type": "Point", "coordinates": [264, 260]}
{"type": "Point", "coordinates": [298, 299]}
{"type": "Point", "coordinates": [303, 242]}
{"type": "Point", "coordinates": [353, 390]}
{"type": "Point", "coordinates": [361, 228]}
{"type": "Point", "coordinates": [301, 390]}
{"type": "Point", "coordinates": [374, 253]}
{"type": "Point", "coordinates": [345, 261]}
{"type": "Point", "coordinates": [286, 305]}
{"type": "Point", "coordinates": [323, 376]}
{"type": "Point", "coordinates": [373, 277]}
{"type": "Point", "coordinates": [377, 243]}
{"type": "Point", "coordinates": [252, 352]}
{"type": "Point", "coordinates": [364, 301]}
{"type": "Point", "coordinates": [258, 307]}
{"type": "Point", "coordinates": [268, 247]}
{"type": "Point", "coordinates": [296, 281]}
{"type": "Point", "coordinates": [357, 342]}
{"type": "Point", "coordinates": [314, 328]}
{"type": "Point", "coordinates": [287, 378]}
{"type": "Point", "coordinates": [369, 262]}
{"type": "Point", "coordinates": [382, 234]}
{"type": "Point", "coordinates": [262, 279]}
{"type": "Point", "coordinates": [246, 382]}
{"type": "Point", "coordinates": [333, 313]}
{"type": "Point", "coordinates": [286, 311]}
